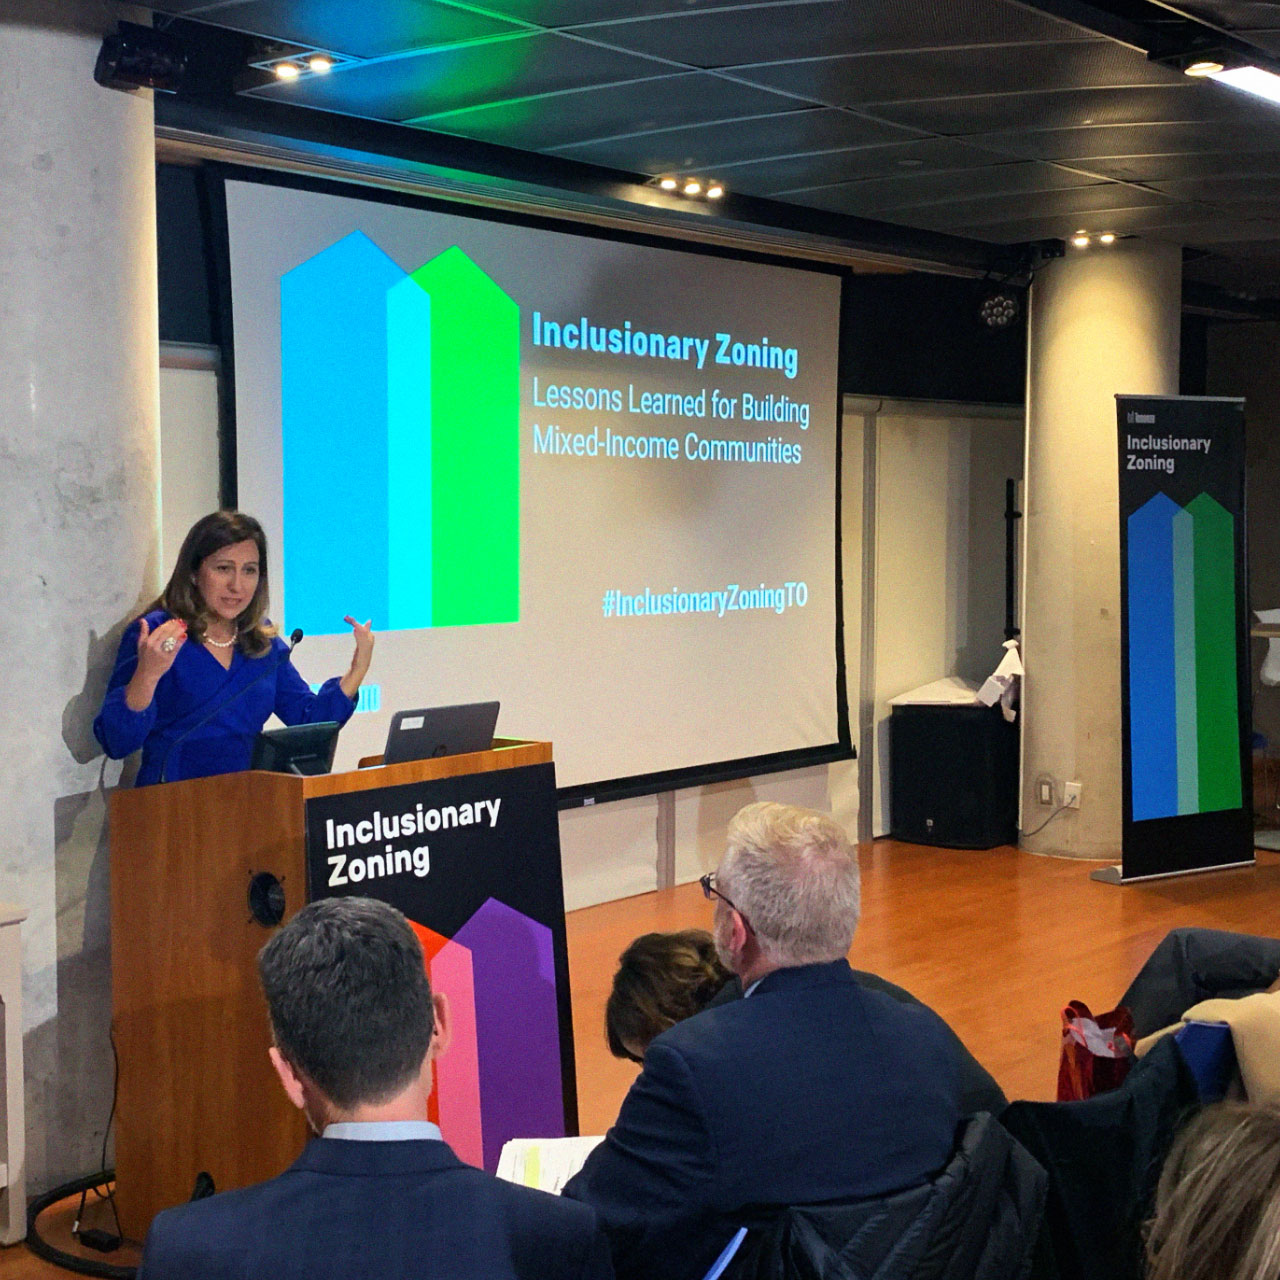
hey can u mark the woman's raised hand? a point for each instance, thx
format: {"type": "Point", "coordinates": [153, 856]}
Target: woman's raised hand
{"type": "Point", "coordinates": [156, 653]}
{"type": "Point", "coordinates": [362, 633]}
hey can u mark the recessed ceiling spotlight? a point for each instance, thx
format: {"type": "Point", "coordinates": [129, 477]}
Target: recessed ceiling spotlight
{"type": "Point", "coordinates": [1204, 67]}
{"type": "Point", "coordinates": [693, 187]}
{"type": "Point", "coordinates": [668, 184]}
{"type": "Point", "coordinates": [287, 70]}
{"type": "Point", "coordinates": [320, 63]}
{"type": "Point", "coordinates": [715, 191]}
{"type": "Point", "coordinates": [1081, 239]}
{"type": "Point", "coordinates": [1107, 237]}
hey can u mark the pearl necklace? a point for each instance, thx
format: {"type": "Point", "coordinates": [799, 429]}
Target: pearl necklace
{"type": "Point", "coordinates": [219, 644]}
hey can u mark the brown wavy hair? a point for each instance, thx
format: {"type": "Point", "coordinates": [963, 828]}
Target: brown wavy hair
{"type": "Point", "coordinates": [1218, 1203]}
{"type": "Point", "coordinates": [662, 979]}
{"type": "Point", "coordinates": [181, 597]}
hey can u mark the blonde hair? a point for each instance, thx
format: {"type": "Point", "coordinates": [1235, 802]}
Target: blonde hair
{"type": "Point", "coordinates": [793, 874]}
{"type": "Point", "coordinates": [1217, 1213]}
{"type": "Point", "coordinates": [181, 596]}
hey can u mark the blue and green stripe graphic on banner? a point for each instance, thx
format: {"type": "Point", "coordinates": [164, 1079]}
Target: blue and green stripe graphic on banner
{"type": "Point", "coordinates": [1183, 710]}
{"type": "Point", "coordinates": [400, 441]}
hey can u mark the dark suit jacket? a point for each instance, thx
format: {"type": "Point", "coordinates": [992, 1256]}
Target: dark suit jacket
{"type": "Point", "coordinates": [813, 1088]}
{"type": "Point", "coordinates": [391, 1210]}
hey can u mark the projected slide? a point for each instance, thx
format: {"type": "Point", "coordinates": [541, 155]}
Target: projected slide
{"type": "Point", "coordinates": [1183, 712]}
{"type": "Point", "coordinates": [591, 478]}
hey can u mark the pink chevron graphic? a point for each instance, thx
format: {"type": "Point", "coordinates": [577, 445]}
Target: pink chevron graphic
{"type": "Point", "coordinates": [455, 1099]}
{"type": "Point", "coordinates": [458, 1069]}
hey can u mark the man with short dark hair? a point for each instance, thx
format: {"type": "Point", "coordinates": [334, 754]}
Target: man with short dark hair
{"type": "Point", "coordinates": [378, 1194]}
{"type": "Point", "coordinates": [812, 1088]}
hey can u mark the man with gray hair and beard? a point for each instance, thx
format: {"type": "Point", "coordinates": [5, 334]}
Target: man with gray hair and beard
{"type": "Point", "coordinates": [813, 1088]}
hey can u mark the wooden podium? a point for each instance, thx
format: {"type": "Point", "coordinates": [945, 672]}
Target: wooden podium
{"type": "Point", "coordinates": [196, 1090]}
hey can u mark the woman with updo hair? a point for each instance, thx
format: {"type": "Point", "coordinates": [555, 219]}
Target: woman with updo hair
{"type": "Point", "coordinates": [662, 979]}
{"type": "Point", "coordinates": [198, 675]}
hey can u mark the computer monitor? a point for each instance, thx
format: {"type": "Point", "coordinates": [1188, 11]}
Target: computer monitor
{"type": "Point", "coordinates": [305, 749]}
{"type": "Point", "coordinates": [440, 731]}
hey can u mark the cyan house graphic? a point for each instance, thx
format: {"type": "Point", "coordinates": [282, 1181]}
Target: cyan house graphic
{"type": "Point", "coordinates": [1184, 721]}
{"type": "Point", "coordinates": [401, 425]}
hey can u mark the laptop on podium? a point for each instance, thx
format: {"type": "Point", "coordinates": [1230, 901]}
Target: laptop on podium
{"type": "Point", "coordinates": [440, 731]}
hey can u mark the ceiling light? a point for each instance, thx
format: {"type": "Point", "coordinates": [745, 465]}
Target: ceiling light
{"type": "Point", "coordinates": [715, 191]}
{"type": "Point", "coordinates": [287, 70]}
{"type": "Point", "coordinates": [1203, 67]}
{"type": "Point", "coordinates": [1107, 237]}
{"type": "Point", "coordinates": [1080, 239]}
{"type": "Point", "coordinates": [320, 63]}
{"type": "Point", "coordinates": [668, 184]}
{"type": "Point", "coordinates": [693, 187]}
{"type": "Point", "coordinates": [1265, 84]}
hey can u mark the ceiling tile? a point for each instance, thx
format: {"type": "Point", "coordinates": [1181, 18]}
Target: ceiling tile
{"type": "Point", "coordinates": [714, 146]}
{"type": "Point", "coordinates": [570, 13]}
{"type": "Point", "coordinates": [1227, 191]}
{"type": "Point", "coordinates": [462, 76]}
{"type": "Point", "coordinates": [370, 29]}
{"type": "Point", "coordinates": [811, 28]}
{"type": "Point", "coordinates": [1127, 140]}
{"type": "Point", "coordinates": [792, 177]}
{"type": "Point", "coordinates": [1186, 100]}
{"type": "Point", "coordinates": [581, 115]}
{"type": "Point", "coordinates": [918, 186]}
{"type": "Point", "coordinates": [1169, 166]}
{"type": "Point", "coordinates": [992, 210]}
{"type": "Point", "coordinates": [1019, 230]}
{"type": "Point", "coordinates": [912, 75]}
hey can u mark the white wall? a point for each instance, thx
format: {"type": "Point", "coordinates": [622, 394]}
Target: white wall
{"type": "Point", "coordinates": [939, 554]}
{"type": "Point", "coordinates": [188, 442]}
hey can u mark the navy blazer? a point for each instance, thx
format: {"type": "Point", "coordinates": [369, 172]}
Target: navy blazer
{"type": "Point", "coordinates": [813, 1088]}
{"type": "Point", "coordinates": [391, 1210]}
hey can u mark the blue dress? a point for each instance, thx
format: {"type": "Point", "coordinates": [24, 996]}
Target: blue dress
{"type": "Point", "coordinates": [240, 698]}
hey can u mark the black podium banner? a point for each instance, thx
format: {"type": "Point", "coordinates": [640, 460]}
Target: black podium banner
{"type": "Point", "coordinates": [1185, 688]}
{"type": "Point", "coordinates": [474, 864]}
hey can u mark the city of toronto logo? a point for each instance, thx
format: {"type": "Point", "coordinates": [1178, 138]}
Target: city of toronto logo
{"type": "Point", "coordinates": [400, 423]}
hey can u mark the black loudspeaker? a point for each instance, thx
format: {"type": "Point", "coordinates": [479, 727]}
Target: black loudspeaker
{"type": "Point", "coordinates": [953, 776]}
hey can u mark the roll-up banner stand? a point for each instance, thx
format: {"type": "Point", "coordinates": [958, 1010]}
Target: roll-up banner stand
{"type": "Point", "coordinates": [1185, 687]}
{"type": "Point", "coordinates": [474, 863]}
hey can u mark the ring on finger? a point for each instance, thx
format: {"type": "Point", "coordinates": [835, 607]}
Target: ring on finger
{"type": "Point", "coordinates": [169, 644]}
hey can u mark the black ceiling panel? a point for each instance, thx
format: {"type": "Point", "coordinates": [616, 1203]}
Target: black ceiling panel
{"type": "Point", "coordinates": [1157, 223]}
{"type": "Point", "coordinates": [792, 177]}
{"type": "Point", "coordinates": [581, 115]}
{"type": "Point", "coordinates": [1228, 192]}
{"type": "Point", "coordinates": [572, 13]}
{"type": "Point", "coordinates": [919, 186]}
{"type": "Point", "coordinates": [1138, 139]}
{"type": "Point", "coordinates": [915, 75]}
{"type": "Point", "coordinates": [813, 28]}
{"type": "Point", "coordinates": [1209, 165]}
{"type": "Point", "coordinates": [365, 30]}
{"type": "Point", "coordinates": [1188, 100]}
{"type": "Point", "coordinates": [422, 84]}
{"type": "Point", "coordinates": [711, 146]}
{"type": "Point", "coordinates": [980, 118]}
{"type": "Point", "coordinates": [963, 215]}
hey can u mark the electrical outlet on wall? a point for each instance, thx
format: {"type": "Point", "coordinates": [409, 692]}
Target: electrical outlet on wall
{"type": "Point", "coordinates": [1071, 795]}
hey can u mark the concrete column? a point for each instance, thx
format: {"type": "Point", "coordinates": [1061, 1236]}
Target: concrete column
{"type": "Point", "coordinates": [78, 525]}
{"type": "Point", "coordinates": [1104, 321]}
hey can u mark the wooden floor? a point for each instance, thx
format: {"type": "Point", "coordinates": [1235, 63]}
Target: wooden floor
{"type": "Point", "coordinates": [997, 942]}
